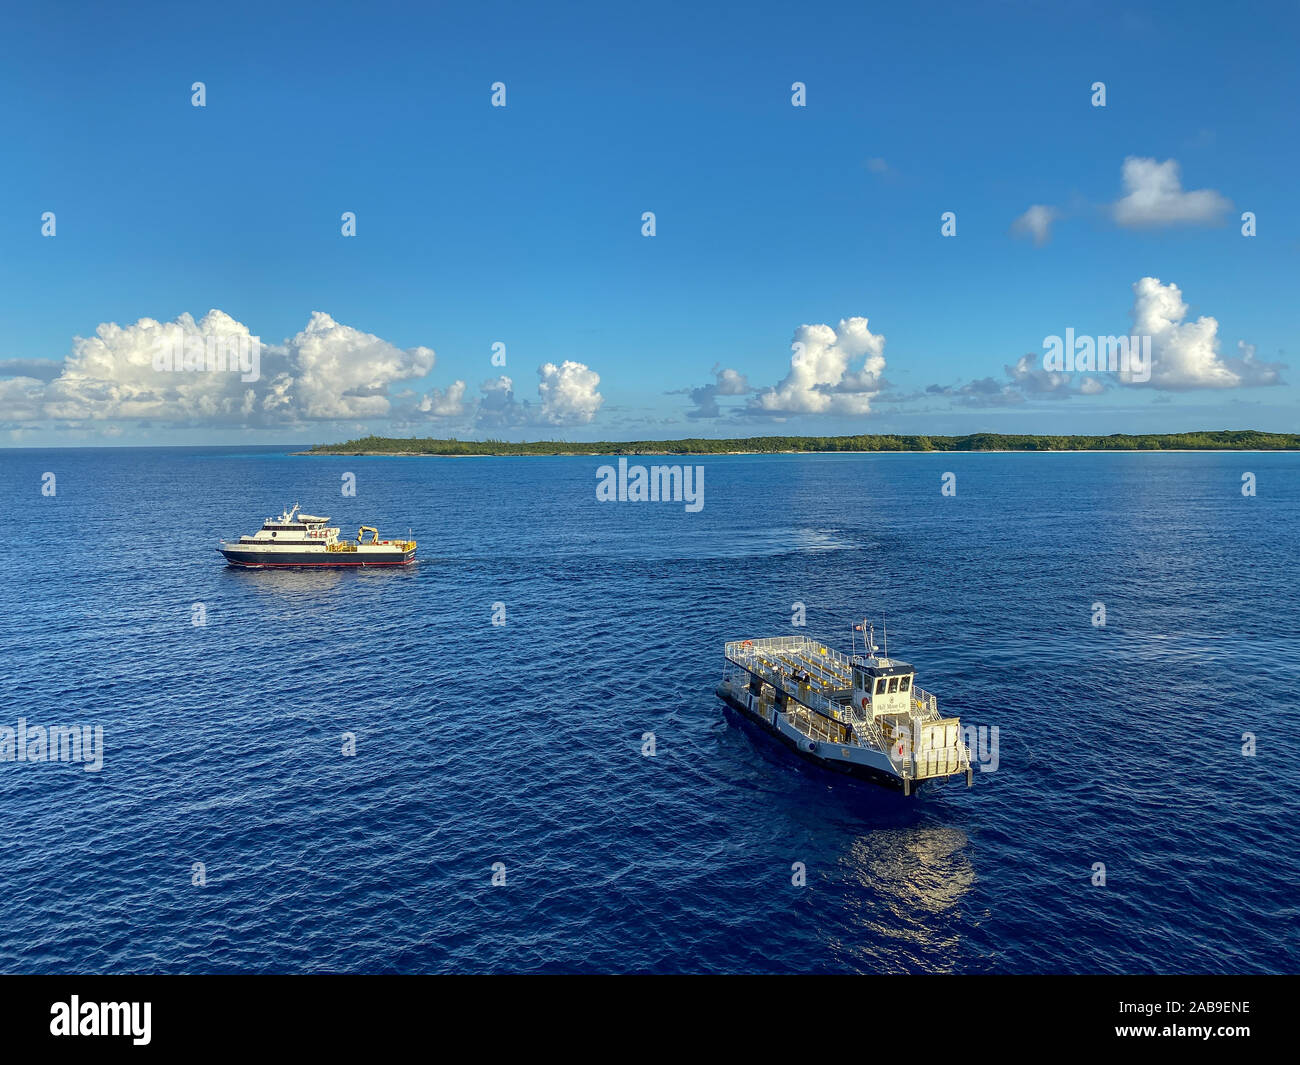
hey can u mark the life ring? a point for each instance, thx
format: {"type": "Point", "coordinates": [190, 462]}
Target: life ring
{"type": "Point", "coordinates": [865, 701]}
{"type": "Point", "coordinates": [748, 643]}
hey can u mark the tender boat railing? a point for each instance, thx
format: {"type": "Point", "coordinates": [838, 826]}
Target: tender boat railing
{"type": "Point", "coordinates": [924, 702]}
{"type": "Point", "coordinates": [751, 655]}
{"type": "Point", "coordinates": [810, 707]}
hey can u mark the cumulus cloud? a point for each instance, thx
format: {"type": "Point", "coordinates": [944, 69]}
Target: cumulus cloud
{"type": "Point", "coordinates": [568, 393]}
{"type": "Point", "coordinates": [22, 399]}
{"type": "Point", "coordinates": [1029, 377]}
{"type": "Point", "coordinates": [497, 408]}
{"type": "Point", "coordinates": [112, 375]}
{"type": "Point", "coordinates": [1154, 196]}
{"type": "Point", "coordinates": [823, 377]}
{"type": "Point", "coordinates": [1185, 355]}
{"type": "Point", "coordinates": [731, 383]}
{"type": "Point", "coordinates": [1024, 381]}
{"type": "Point", "coordinates": [726, 382]}
{"type": "Point", "coordinates": [327, 372]}
{"type": "Point", "coordinates": [566, 396]}
{"type": "Point", "coordinates": [1036, 223]}
{"type": "Point", "coordinates": [444, 403]}
{"type": "Point", "coordinates": [1252, 371]}
{"type": "Point", "coordinates": [341, 372]}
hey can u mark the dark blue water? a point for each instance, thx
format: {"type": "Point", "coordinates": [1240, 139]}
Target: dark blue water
{"type": "Point", "coordinates": [478, 744]}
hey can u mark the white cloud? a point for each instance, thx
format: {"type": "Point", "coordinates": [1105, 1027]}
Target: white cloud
{"type": "Point", "coordinates": [111, 375]}
{"type": "Point", "coordinates": [1036, 223]}
{"type": "Point", "coordinates": [341, 372]}
{"type": "Point", "coordinates": [439, 403]}
{"type": "Point", "coordinates": [822, 379]}
{"type": "Point", "coordinates": [22, 399]}
{"type": "Point", "coordinates": [1155, 197]}
{"type": "Point", "coordinates": [328, 371]}
{"type": "Point", "coordinates": [567, 396]}
{"type": "Point", "coordinates": [497, 407]}
{"type": "Point", "coordinates": [568, 393]}
{"type": "Point", "coordinates": [731, 383]}
{"type": "Point", "coordinates": [1026, 380]}
{"type": "Point", "coordinates": [1185, 355]}
{"type": "Point", "coordinates": [726, 382]}
{"type": "Point", "coordinates": [1252, 371]}
{"type": "Point", "coordinates": [1030, 377]}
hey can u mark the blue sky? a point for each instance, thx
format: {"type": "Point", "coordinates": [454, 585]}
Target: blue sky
{"type": "Point", "coordinates": [523, 224]}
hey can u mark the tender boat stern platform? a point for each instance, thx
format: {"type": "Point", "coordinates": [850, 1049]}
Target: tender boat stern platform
{"type": "Point", "coordinates": [858, 714]}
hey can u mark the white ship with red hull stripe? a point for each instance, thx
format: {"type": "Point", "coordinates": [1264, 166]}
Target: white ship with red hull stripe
{"type": "Point", "coordinates": [303, 540]}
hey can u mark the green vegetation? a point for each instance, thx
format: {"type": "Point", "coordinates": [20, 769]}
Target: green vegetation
{"type": "Point", "coordinates": [1222, 440]}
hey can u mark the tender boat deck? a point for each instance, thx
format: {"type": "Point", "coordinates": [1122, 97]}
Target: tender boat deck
{"type": "Point", "coordinates": [805, 684]}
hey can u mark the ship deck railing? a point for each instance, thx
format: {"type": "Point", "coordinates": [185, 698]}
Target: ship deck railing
{"type": "Point", "coordinates": [811, 725]}
{"type": "Point", "coordinates": [924, 704]}
{"type": "Point", "coordinates": [773, 660]}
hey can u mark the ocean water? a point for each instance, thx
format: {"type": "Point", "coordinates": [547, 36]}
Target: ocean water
{"type": "Point", "coordinates": [522, 744]}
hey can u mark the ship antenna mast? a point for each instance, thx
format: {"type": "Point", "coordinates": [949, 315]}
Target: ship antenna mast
{"type": "Point", "coordinates": [885, 629]}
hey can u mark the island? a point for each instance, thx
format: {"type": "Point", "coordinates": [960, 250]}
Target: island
{"type": "Point", "coordinates": [1215, 440]}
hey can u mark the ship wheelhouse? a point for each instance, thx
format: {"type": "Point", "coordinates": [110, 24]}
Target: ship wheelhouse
{"type": "Point", "coordinates": [883, 686]}
{"type": "Point", "coordinates": [292, 527]}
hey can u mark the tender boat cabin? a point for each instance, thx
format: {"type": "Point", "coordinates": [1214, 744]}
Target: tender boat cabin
{"type": "Point", "coordinates": [885, 689]}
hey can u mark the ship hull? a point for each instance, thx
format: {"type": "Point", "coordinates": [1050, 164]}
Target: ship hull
{"type": "Point", "coordinates": [313, 559]}
{"type": "Point", "coordinates": [799, 744]}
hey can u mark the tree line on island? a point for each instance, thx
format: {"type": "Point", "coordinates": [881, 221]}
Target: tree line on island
{"type": "Point", "coordinates": [1220, 440]}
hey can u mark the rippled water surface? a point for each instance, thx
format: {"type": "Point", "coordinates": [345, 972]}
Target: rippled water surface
{"type": "Point", "coordinates": [478, 744]}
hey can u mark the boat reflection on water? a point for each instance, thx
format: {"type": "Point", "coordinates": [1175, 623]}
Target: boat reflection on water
{"type": "Point", "coordinates": [314, 584]}
{"type": "Point", "coordinates": [907, 916]}
{"type": "Point", "coordinates": [297, 582]}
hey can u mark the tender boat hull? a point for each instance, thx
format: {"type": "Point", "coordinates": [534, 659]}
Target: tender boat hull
{"type": "Point", "coordinates": [313, 559]}
{"type": "Point", "coordinates": [800, 745]}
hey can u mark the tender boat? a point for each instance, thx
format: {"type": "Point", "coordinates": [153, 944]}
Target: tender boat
{"type": "Point", "coordinates": [857, 714]}
{"type": "Point", "coordinates": [295, 539]}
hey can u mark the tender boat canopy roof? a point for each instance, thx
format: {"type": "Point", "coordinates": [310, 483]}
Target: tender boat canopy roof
{"type": "Point", "coordinates": [874, 669]}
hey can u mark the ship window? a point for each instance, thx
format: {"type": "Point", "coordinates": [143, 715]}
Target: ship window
{"type": "Point", "coordinates": [893, 685]}
{"type": "Point", "coordinates": [880, 686]}
{"type": "Point", "coordinates": [907, 683]}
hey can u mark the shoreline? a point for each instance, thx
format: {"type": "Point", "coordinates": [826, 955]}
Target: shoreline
{"type": "Point", "coordinates": [708, 454]}
{"type": "Point", "coordinates": [1198, 440]}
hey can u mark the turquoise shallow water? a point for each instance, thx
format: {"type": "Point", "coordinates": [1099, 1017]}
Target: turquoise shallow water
{"type": "Point", "coordinates": [521, 744]}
